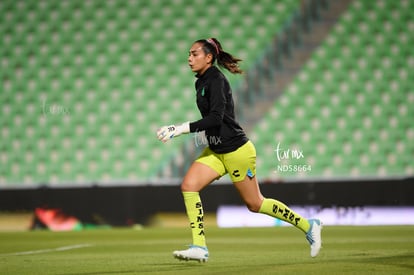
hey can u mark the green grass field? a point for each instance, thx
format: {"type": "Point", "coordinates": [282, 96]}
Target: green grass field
{"type": "Point", "coordinates": [346, 250]}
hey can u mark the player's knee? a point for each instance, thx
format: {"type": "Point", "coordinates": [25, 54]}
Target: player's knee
{"type": "Point", "coordinates": [189, 186]}
{"type": "Point", "coordinates": [186, 186]}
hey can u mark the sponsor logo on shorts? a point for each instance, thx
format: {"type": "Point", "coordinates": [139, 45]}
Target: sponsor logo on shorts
{"type": "Point", "coordinates": [236, 173]}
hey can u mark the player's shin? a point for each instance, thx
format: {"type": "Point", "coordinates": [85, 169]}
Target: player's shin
{"type": "Point", "coordinates": [279, 210]}
{"type": "Point", "coordinates": [195, 215]}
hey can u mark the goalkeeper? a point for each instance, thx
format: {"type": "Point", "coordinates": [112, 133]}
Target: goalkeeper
{"type": "Point", "coordinates": [229, 151]}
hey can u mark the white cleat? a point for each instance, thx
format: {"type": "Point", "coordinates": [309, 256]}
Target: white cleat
{"type": "Point", "coordinates": [314, 236]}
{"type": "Point", "coordinates": [194, 253]}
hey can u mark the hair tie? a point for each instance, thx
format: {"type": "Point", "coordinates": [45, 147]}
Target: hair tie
{"type": "Point", "coordinates": [211, 41]}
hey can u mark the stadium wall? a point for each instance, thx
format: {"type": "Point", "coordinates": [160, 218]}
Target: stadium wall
{"type": "Point", "coordinates": [127, 205]}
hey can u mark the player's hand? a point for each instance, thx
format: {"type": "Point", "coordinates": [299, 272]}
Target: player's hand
{"type": "Point", "coordinates": [166, 133]}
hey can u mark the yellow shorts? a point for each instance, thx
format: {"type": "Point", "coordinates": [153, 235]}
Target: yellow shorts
{"type": "Point", "coordinates": [238, 164]}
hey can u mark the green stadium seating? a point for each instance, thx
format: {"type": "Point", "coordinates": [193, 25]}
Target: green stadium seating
{"type": "Point", "coordinates": [85, 84]}
{"type": "Point", "coordinates": [349, 109]}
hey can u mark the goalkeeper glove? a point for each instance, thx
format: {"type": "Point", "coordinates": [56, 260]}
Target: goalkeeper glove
{"type": "Point", "coordinates": [166, 133]}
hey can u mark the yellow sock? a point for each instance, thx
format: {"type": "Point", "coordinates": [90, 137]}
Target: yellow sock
{"type": "Point", "coordinates": [279, 210]}
{"type": "Point", "coordinates": [195, 215]}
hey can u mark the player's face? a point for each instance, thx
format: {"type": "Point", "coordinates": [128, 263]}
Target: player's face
{"type": "Point", "coordinates": [198, 61]}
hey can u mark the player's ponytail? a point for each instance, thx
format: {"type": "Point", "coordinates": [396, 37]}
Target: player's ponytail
{"type": "Point", "coordinates": [224, 59]}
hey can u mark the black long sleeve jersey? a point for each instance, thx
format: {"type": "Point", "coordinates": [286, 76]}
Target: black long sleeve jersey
{"type": "Point", "coordinates": [215, 102]}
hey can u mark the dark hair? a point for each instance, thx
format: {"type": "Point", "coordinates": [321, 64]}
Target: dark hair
{"type": "Point", "coordinates": [224, 59]}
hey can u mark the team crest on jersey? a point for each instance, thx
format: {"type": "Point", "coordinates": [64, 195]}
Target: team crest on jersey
{"type": "Point", "coordinates": [202, 92]}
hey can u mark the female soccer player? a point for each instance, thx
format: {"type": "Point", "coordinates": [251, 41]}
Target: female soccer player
{"type": "Point", "coordinates": [229, 151]}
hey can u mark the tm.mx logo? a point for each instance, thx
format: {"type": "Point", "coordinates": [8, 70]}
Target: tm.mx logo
{"type": "Point", "coordinates": [283, 154]}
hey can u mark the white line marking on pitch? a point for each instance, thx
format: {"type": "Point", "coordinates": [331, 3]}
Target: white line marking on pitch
{"type": "Point", "coordinates": [63, 248]}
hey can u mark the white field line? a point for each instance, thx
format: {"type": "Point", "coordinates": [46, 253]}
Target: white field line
{"type": "Point", "coordinates": [58, 249]}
